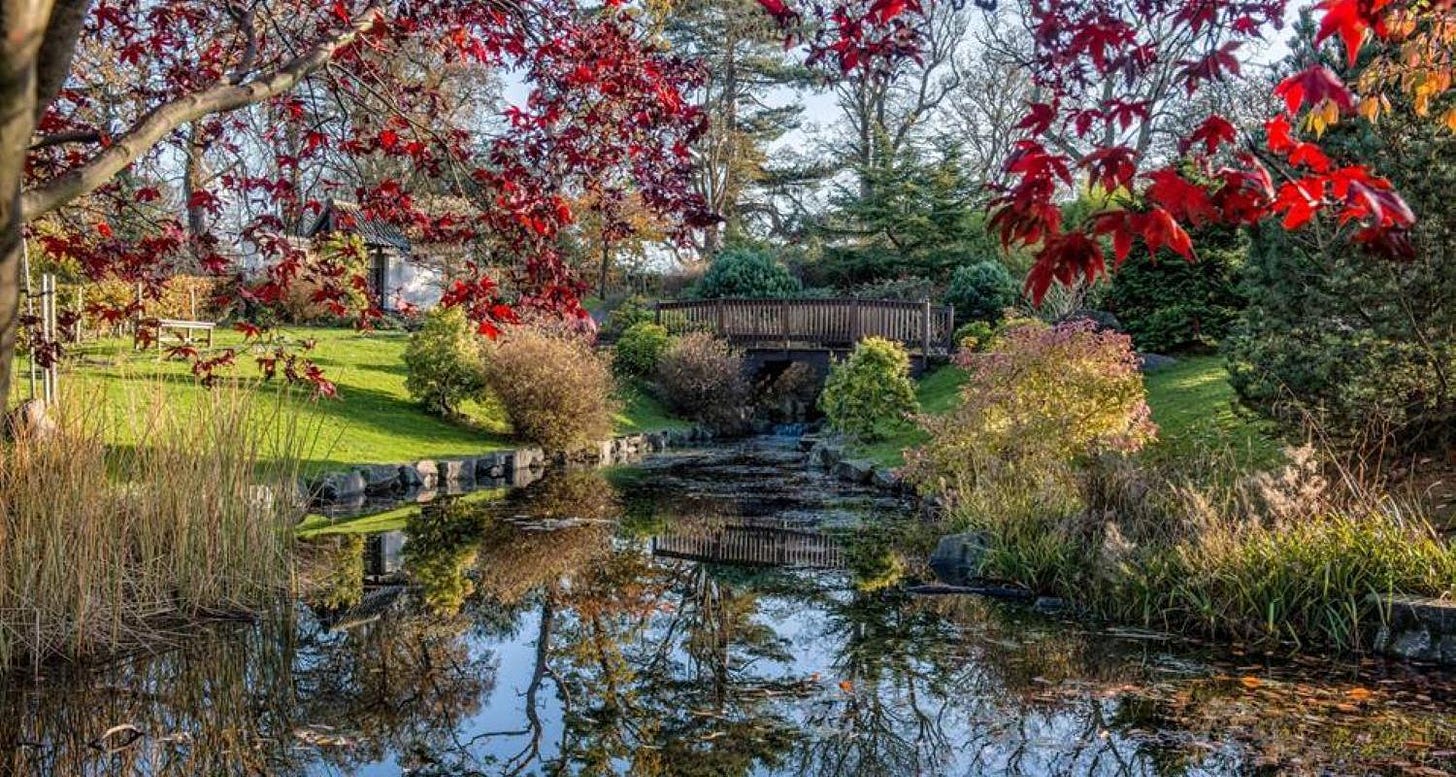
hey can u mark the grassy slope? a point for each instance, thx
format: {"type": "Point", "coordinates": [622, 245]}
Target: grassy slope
{"type": "Point", "coordinates": [1192, 404]}
{"type": "Point", "coordinates": [374, 419]}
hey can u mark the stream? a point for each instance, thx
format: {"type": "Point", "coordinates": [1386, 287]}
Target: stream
{"type": "Point", "coordinates": [714, 611]}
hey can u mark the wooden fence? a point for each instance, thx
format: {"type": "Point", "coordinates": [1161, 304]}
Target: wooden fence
{"type": "Point", "coordinates": [815, 323]}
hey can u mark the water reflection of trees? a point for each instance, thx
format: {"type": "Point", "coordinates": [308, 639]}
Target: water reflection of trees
{"type": "Point", "coordinates": [629, 663]}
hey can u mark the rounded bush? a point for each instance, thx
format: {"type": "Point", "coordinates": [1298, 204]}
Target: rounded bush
{"type": "Point", "coordinates": [555, 389]}
{"type": "Point", "coordinates": [981, 291]}
{"type": "Point", "coordinates": [638, 349]}
{"type": "Point", "coordinates": [870, 390]}
{"type": "Point", "coordinates": [443, 362]}
{"type": "Point", "coordinates": [701, 378]}
{"type": "Point", "coordinates": [746, 272]}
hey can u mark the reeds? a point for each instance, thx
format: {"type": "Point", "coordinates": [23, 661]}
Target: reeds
{"type": "Point", "coordinates": [106, 549]}
{"type": "Point", "coordinates": [1304, 555]}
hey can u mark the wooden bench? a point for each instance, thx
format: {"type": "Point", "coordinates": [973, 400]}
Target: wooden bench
{"type": "Point", "coordinates": [181, 329]}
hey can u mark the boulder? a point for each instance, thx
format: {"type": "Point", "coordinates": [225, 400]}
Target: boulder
{"type": "Point", "coordinates": [410, 478]}
{"type": "Point", "coordinates": [455, 472]}
{"type": "Point", "coordinates": [885, 478]}
{"type": "Point", "coordinates": [1152, 362]}
{"type": "Point", "coordinates": [380, 478]}
{"type": "Point", "coordinates": [339, 486]}
{"type": "Point", "coordinates": [529, 458]}
{"type": "Point", "coordinates": [429, 474]}
{"type": "Point", "coordinates": [855, 470]}
{"type": "Point", "coordinates": [655, 442]}
{"type": "Point", "coordinates": [958, 557]}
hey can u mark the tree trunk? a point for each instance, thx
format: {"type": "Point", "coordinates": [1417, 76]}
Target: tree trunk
{"type": "Point", "coordinates": [21, 31]}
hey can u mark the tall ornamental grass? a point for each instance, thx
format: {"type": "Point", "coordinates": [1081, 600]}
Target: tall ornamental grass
{"type": "Point", "coordinates": [107, 549]}
{"type": "Point", "coordinates": [1040, 460]}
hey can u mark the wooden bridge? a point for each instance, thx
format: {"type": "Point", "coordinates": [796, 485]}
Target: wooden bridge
{"type": "Point", "coordinates": [750, 543]}
{"type": "Point", "coordinates": [815, 324]}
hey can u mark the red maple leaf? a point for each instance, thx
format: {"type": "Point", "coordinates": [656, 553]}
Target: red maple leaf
{"type": "Point", "coordinates": [1215, 131]}
{"type": "Point", "coordinates": [1314, 85]}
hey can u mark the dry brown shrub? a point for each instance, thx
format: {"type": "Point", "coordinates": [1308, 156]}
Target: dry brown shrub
{"type": "Point", "coordinates": [556, 390]}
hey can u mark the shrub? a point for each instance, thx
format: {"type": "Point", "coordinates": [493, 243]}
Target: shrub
{"type": "Point", "coordinates": [870, 390]}
{"type": "Point", "coordinates": [701, 377]}
{"type": "Point", "coordinates": [974, 336]}
{"type": "Point", "coordinates": [1171, 305]}
{"type": "Point", "coordinates": [555, 390]}
{"type": "Point", "coordinates": [981, 291]}
{"type": "Point", "coordinates": [1040, 398]}
{"type": "Point", "coordinates": [638, 349]}
{"type": "Point", "coordinates": [443, 361]}
{"type": "Point", "coordinates": [746, 272]}
{"type": "Point", "coordinates": [630, 311]}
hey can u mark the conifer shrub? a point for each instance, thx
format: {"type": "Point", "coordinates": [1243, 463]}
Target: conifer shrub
{"type": "Point", "coordinates": [746, 272]}
{"type": "Point", "coordinates": [870, 392]}
{"type": "Point", "coordinates": [638, 349]}
{"type": "Point", "coordinates": [981, 291]}
{"type": "Point", "coordinates": [443, 361]}
{"type": "Point", "coordinates": [555, 389]}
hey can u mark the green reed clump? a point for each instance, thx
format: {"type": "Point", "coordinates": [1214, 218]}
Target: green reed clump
{"type": "Point", "coordinates": [1283, 556]}
{"type": "Point", "coordinates": [105, 549]}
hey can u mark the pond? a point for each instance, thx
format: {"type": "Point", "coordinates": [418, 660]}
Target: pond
{"type": "Point", "coordinates": [698, 616]}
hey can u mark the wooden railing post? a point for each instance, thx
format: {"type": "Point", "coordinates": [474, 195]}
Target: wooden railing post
{"type": "Point", "coordinates": [722, 325]}
{"type": "Point", "coordinates": [925, 323]}
{"type": "Point", "coordinates": [854, 321]}
{"type": "Point", "coordinates": [784, 321]}
{"type": "Point", "coordinates": [657, 312]}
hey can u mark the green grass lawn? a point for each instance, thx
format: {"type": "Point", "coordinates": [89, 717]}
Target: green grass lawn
{"type": "Point", "coordinates": [1192, 402]}
{"type": "Point", "coordinates": [373, 420]}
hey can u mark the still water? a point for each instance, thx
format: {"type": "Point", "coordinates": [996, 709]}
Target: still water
{"type": "Point", "coordinates": [713, 612]}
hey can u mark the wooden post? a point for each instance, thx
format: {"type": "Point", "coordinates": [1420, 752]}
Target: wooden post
{"type": "Point", "coordinates": [722, 326]}
{"type": "Point", "coordinates": [784, 322]}
{"type": "Point", "coordinates": [854, 321]}
{"type": "Point", "coordinates": [925, 340]}
{"type": "Point", "coordinates": [657, 312]}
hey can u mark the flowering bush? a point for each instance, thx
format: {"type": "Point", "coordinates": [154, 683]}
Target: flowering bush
{"type": "Point", "coordinates": [870, 390]}
{"type": "Point", "coordinates": [1040, 397]}
{"type": "Point", "coordinates": [443, 360]}
{"type": "Point", "coordinates": [701, 377]}
{"type": "Point", "coordinates": [638, 349]}
{"type": "Point", "coordinates": [556, 390]}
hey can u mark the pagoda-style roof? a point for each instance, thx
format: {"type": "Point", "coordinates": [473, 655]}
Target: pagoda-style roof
{"type": "Point", "coordinates": [349, 218]}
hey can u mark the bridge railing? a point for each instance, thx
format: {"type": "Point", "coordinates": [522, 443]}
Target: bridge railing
{"type": "Point", "coordinates": [815, 323]}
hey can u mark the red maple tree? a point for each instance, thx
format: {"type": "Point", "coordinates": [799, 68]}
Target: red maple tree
{"type": "Point", "coordinates": [1086, 54]}
{"type": "Point", "coordinates": [98, 91]}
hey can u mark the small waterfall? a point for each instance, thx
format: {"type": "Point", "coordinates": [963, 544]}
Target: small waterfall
{"type": "Point", "coordinates": [790, 430]}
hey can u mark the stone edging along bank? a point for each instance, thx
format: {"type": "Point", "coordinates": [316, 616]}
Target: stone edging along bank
{"type": "Point", "coordinates": [830, 456]}
{"type": "Point", "coordinates": [357, 485]}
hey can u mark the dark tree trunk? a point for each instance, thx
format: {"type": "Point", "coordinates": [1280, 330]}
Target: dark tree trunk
{"type": "Point", "coordinates": [21, 31]}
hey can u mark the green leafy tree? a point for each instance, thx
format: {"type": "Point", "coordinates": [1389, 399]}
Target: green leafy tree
{"type": "Point", "coordinates": [444, 362]}
{"type": "Point", "coordinates": [747, 272]}
{"type": "Point", "coordinates": [870, 391]}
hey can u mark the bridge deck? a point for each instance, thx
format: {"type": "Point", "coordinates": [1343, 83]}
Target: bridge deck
{"type": "Point", "coordinates": [806, 324]}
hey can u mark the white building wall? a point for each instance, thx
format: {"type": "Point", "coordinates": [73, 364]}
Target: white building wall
{"type": "Point", "coordinates": [413, 284]}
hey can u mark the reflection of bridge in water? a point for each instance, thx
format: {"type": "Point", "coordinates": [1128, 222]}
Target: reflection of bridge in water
{"type": "Point", "coordinates": [749, 543]}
